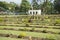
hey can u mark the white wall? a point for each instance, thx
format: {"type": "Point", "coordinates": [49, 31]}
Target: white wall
{"type": "Point", "coordinates": [34, 12]}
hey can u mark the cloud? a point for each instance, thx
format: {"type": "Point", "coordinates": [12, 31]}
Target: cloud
{"type": "Point", "coordinates": [16, 1]}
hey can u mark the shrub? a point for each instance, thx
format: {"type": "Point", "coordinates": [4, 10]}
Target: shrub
{"type": "Point", "coordinates": [44, 31]}
{"type": "Point", "coordinates": [22, 35]}
{"type": "Point", "coordinates": [30, 21]}
{"type": "Point", "coordinates": [27, 25]}
{"type": "Point", "coordinates": [57, 21]}
{"type": "Point", "coordinates": [46, 17]}
{"type": "Point", "coordinates": [1, 19]}
{"type": "Point", "coordinates": [33, 29]}
{"type": "Point", "coordinates": [25, 20]}
{"type": "Point", "coordinates": [48, 20]}
{"type": "Point", "coordinates": [7, 35]}
{"type": "Point", "coordinates": [51, 38]}
{"type": "Point", "coordinates": [25, 29]}
{"type": "Point", "coordinates": [51, 24]}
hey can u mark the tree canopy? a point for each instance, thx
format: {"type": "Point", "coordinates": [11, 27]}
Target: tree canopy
{"type": "Point", "coordinates": [35, 4]}
{"type": "Point", "coordinates": [47, 6]}
{"type": "Point", "coordinates": [57, 5]}
{"type": "Point", "coordinates": [25, 6]}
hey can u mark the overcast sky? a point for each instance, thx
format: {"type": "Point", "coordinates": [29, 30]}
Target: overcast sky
{"type": "Point", "coordinates": [16, 1]}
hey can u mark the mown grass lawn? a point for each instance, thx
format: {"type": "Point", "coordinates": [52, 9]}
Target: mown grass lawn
{"type": "Point", "coordinates": [33, 34]}
{"type": "Point", "coordinates": [29, 28]}
{"type": "Point", "coordinates": [7, 38]}
{"type": "Point", "coordinates": [22, 21]}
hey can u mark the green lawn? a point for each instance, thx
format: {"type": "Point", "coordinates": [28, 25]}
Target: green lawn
{"type": "Point", "coordinates": [7, 38]}
{"type": "Point", "coordinates": [29, 28]}
{"type": "Point", "coordinates": [33, 34]}
{"type": "Point", "coordinates": [22, 20]}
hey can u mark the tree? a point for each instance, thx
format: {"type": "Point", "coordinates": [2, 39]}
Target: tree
{"type": "Point", "coordinates": [35, 4]}
{"type": "Point", "coordinates": [8, 6]}
{"type": "Point", "coordinates": [57, 5]}
{"type": "Point", "coordinates": [11, 6]}
{"type": "Point", "coordinates": [25, 6]}
{"type": "Point", "coordinates": [17, 8]}
{"type": "Point", "coordinates": [47, 7]}
{"type": "Point", "coordinates": [3, 4]}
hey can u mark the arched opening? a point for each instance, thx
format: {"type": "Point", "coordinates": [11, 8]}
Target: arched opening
{"type": "Point", "coordinates": [30, 12]}
{"type": "Point", "coordinates": [36, 12]}
{"type": "Point", "coordinates": [33, 13]}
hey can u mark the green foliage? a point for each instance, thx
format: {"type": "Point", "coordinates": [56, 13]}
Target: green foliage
{"type": "Point", "coordinates": [29, 21]}
{"type": "Point", "coordinates": [25, 6]}
{"type": "Point", "coordinates": [8, 38]}
{"type": "Point", "coordinates": [51, 38]}
{"type": "Point", "coordinates": [22, 35]}
{"type": "Point", "coordinates": [57, 21]}
{"type": "Point", "coordinates": [27, 25]}
{"type": "Point", "coordinates": [1, 19]}
{"type": "Point", "coordinates": [48, 20]}
{"type": "Point", "coordinates": [46, 17]}
{"type": "Point", "coordinates": [44, 31]}
{"type": "Point", "coordinates": [7, 6]}
{"type": "Point", "coordinates": [33, 29]}
{"type": "Point", "coordinates": [25, 29]}
{"type": "Point", "coordinates": [3, 4]}
{"type": "Point", "coordinates": [57, 5]}
{"type": "Point", "coordinates": [47, 7]}
{"type": "Point", "coordinates": [35, 4]}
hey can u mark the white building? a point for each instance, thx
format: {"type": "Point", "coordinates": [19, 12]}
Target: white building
{"type": "Point", "coordinates": [34, 12]}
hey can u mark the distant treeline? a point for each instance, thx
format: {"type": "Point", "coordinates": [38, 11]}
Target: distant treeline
{"type": "Point", "coordinates": [47, 6]}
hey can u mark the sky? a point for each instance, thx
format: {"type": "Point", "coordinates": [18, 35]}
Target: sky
{"type": "Point", "coordinates": [16, 1]}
